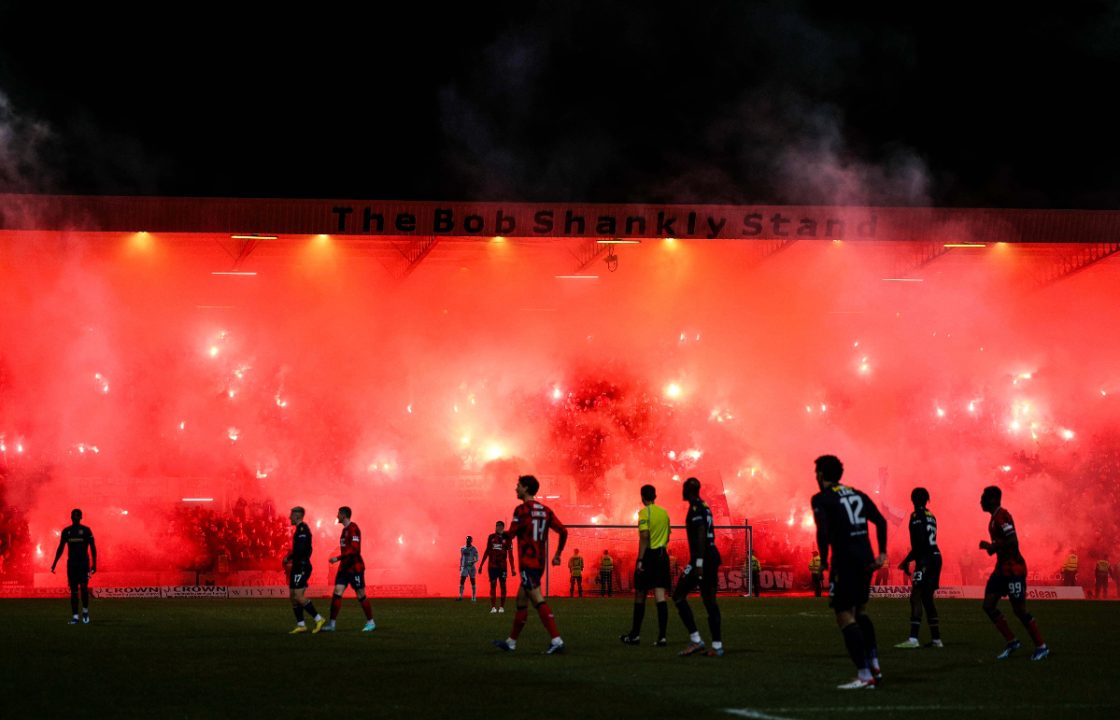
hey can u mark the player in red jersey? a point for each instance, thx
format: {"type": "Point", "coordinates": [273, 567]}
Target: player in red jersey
{"type": "Point", "coordinates": [351, 571]}
{"type": "Point", "coordinates": [499, 550]}
{"type": "Point", "coordinates": [1009, 577]}
{"type": "Point", "coordinates": [530, 525]}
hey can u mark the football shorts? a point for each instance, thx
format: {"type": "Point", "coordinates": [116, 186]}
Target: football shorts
{"type": "Point", "coordinates": [531, 578]}
{"type": "Point", "coordinates": [654, 572]}
{"type": "Point", "coordinates": [1012, 586]}
{"type": "Point", "coordinates": [356, 580]}
{"type": "Point", "coordinates": [299, 575]}
{"type": "Point", "coordinates": [848, 587]}
{"type": "Point", "coordinates": [927, 575]}
{"type": "Point", "coordinates": [77, 575]}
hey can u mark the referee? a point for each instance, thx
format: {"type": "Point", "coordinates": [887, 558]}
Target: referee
{"type": "Point", "coordinates": [652, 572]}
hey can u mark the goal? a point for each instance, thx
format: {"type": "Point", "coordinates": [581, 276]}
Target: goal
{"type": "Point", "coordinates": [621, 543]}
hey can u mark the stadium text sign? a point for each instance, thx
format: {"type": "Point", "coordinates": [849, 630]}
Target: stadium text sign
{"type": "Point", "coordinates": [709, 223]}
{"type": "Point", "coordinates": [152, 591]}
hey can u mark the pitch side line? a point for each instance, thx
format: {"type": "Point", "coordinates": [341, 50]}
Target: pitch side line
{"type": "Point", "coordinates": [755, 714]}
{"type": "Point", "coordinates": [765, 714]}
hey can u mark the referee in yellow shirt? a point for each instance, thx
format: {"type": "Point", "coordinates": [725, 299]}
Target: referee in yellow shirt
{"type": "Point", "coordinates": [652, 572]}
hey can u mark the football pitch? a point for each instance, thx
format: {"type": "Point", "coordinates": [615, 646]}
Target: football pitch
{"type": "Point", "coordinates": [433, 658]}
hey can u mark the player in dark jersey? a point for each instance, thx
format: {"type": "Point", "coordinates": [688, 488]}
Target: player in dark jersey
{"type": "Point", "coordinates": [297, 564]}
{"type": "Point", "coordinates": [926, 577]}
{"type": "Point", "coordinates": [1009, 577]}
{"type": "Point", "coordinates": [842, 514]}
{"type": "Point", "coordinates": [701, 572]}
{"type": "Point", "coordinates": [351, 571]}
{"type": "Point", "coordinates": [499, 551]}
{"type": "Point", "coordinates": [81, 563]}
{"type": "Point", "coordinates": [530, 525]}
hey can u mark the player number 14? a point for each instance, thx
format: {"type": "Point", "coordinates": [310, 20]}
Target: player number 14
{"type": "Point", "coordinates": [540, 527]}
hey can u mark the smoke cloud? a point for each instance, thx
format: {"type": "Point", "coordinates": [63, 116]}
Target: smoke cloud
{"type": "Point", "coordinates": [131, 378]}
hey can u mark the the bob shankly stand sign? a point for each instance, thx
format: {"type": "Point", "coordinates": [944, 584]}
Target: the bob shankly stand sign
{"type": "Point", "coordinates": [550, 220]}
{"type": "Point", "coordinates": [605, 222]}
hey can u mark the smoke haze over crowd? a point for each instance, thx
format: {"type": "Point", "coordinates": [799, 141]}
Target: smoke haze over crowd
{"type": "Point", "coordinates": [131, 378]}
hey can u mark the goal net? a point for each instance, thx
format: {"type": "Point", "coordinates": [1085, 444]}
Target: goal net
{"type": "Point", "coordinates": [621, 544]}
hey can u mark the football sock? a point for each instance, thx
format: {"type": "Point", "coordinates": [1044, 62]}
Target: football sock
{"type": "Point", "coordinates": [868, 631]}
{"type": "Point", "coordinates": [298, 610]}
{"type": "Point", "coordinates": [715, 619]}
{"type": "Point", "coordinates": [931, 617]}
{"type": "Point", "coordinates": [716, 644]}
{"type": "Point", "coordinates": [548, 619]}
{"type": "Point", "coordinates": [662, 618]}
{"type": "Point", "coordinates": [519, 619]}
{"type": "Point", "coordinates": [639, 615]}
{"type": "Point", "coordinates": [931, 614]}
{"type": "Point", "coordinates": [1004, 628]}
{"type": "Point", "coordinates": [74, 603]}
{"type": "Point", "coordinates": [85, 597]}
{"type": "Point", "coordinates": [686, 615]}
{"type": "Point", "coordinates": [1032, 627]}
{"type": "Point", "coordinates": [915, 626]}
{"type": "Point", "coordinates": [853, 641]}
{"type": "Point", "coordinates": [366, 608]}
{"type": "Point", "coordinates": [336, 605]}
{"type": "Point", "coordinates": [310, 609]}
{"type": "Point", "coordinates": [694, 637]}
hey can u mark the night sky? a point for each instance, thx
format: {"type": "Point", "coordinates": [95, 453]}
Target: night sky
{"type": "Point", "coordinates": [724, 102]}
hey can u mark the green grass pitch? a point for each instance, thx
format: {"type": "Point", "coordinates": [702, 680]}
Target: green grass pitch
{"type": "Point", "coordinates": [433, 658]}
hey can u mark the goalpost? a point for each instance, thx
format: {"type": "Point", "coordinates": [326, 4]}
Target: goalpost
{"type": "Point", "coordinates": [735, 543]}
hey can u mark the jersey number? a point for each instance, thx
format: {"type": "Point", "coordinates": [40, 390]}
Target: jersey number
{"type": "Point", "coordinates": [932, 535]}
{"type": "Point", "coordinates": [854, 505]}
{"type": "Point", "coordinates": [540, 528]}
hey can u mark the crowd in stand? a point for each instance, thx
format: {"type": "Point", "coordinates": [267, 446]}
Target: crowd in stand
{"type": "Point", "coordinates": [15, 540]}
{"type": "Point", "coordinates": [249, 536]}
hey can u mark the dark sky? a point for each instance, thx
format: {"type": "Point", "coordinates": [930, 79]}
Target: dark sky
{"type": "Point", "coordinates": [745, 102]}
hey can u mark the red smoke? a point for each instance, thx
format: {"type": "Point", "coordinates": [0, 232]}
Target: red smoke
{"type": "Point", "coordinates": [131, 377]}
